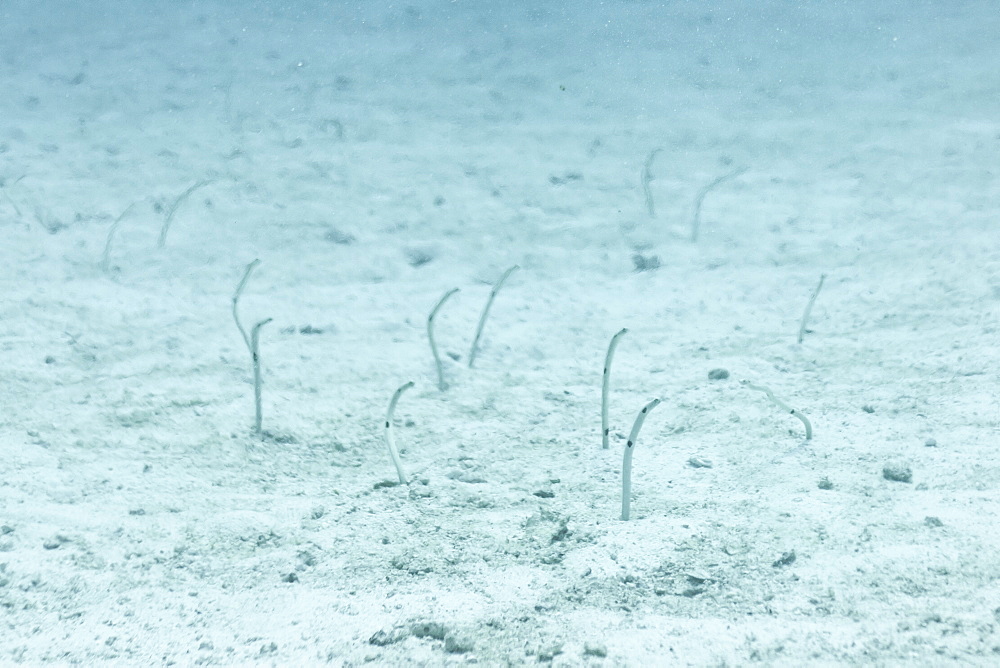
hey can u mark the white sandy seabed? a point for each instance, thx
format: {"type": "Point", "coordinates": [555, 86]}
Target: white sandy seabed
{"type": "Point", "coordinates": [374, 157]}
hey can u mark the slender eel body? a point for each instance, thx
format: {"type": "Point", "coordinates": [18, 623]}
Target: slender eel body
{"type": "Point", "coordinates": [809, 308]}
{"type": "Point", "coordinates": [255, 353]}
{"type": "Point", "coordinates": [442, 385]}
{"type": "Point", "coordinates": [606, 386]}
{"type": "Point", "coordinates": [390, 440]}
{"type": "Point", "coordinates": [627, 461]}
{"type": "Point", "coordinates": [486, 312]}
{"type": "Point", "coordinates": [783, 406]}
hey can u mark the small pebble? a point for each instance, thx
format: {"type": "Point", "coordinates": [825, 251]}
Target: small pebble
{"type": "Point", "coordinates": [698, 577]}
{"type": "Point", "coordinates": [824, 483]}
{"type": "Point", "coordinates": [718, 374]}
{"type": "Point", "coordinates": [429, 630]}
{"type": "Point", "coordinates": [932, 521]}
{"type": "Point", "coordinates": [548, 653]}
{"type": "Point", "coordinates": [645, 263]}
{"type": "Point", "coordinates": [786, 559]}
{"type": "Point", "coordinates": [700, 463]}
{"type": "Point", "coordinates": [458, 644]}
{"type": "Point", "coordinates": [930, 443]}
{"type": "Point", "coordinates": [384, 638]}
{"type": "Point", "coordinates": [897, 473]}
